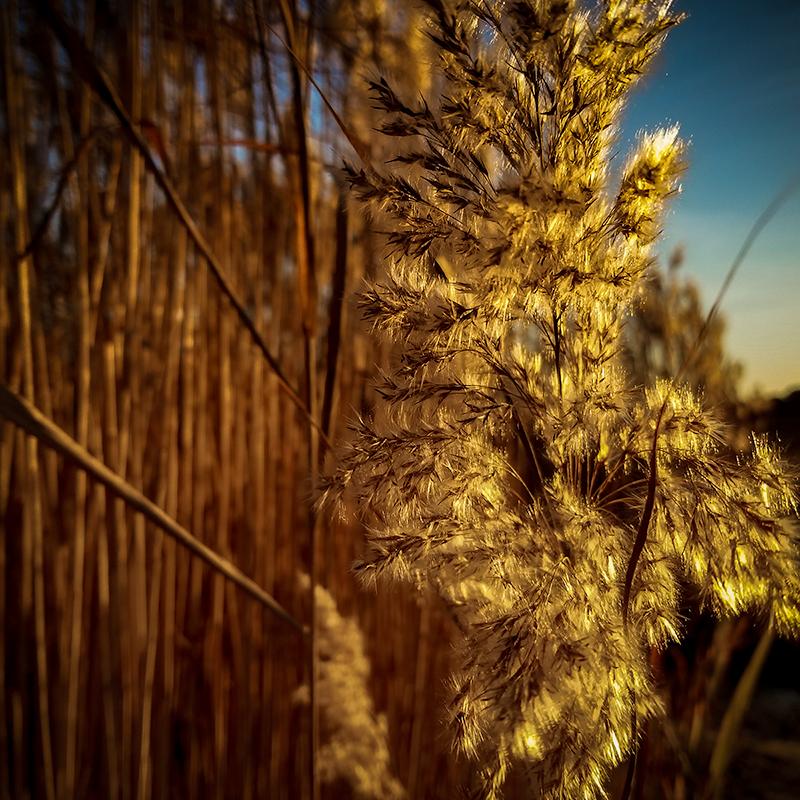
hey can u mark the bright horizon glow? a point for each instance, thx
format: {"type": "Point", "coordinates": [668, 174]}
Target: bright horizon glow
{"type": "Point", "coordinates": [730, 76]}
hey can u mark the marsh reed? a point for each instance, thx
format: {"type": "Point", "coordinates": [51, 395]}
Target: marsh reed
{"type": "Point", "coordinates": [177, 255]}
{"type": "Point", "coordinates": [130, 668]}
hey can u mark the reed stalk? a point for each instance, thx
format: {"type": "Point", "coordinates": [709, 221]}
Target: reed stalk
{"type": "Point", "coordinates": [32, 519]}
{"type": "Point", "coordinates": [82, 401]}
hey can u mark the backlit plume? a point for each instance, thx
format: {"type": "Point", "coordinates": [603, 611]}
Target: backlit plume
{"type": "Point", "coordinates": [509, 463]}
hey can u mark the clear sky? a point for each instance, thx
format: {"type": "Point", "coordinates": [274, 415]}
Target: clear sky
{"type": "Point", "coordinates": [730, 76]}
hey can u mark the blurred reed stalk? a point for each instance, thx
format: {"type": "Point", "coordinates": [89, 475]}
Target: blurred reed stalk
{"type": "Point", "coordinates": [145, 674]}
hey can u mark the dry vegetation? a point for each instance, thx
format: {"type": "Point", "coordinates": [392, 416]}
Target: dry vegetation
{"type": "Point", "coordinates": [176, 253]}
{"type": "Point", "coordinates": [130, 668]}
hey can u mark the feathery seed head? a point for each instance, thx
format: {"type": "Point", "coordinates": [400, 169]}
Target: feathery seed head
{"type": "Point", "coordinates": [509, 465]}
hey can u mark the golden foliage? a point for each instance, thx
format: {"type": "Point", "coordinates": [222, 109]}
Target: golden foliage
{"type": "Point", "coordinates": [511, 264]}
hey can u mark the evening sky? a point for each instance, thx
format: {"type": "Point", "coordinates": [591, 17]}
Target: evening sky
{"type": "Point", "coordinates": [730, 76]}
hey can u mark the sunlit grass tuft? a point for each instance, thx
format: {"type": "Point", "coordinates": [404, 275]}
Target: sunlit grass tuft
{"type": "Point", "coordinates": [515, 460]}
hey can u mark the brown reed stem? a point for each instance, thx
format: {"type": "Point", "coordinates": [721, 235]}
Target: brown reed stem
{"type": "Point", "coordinates": [32, 520]}
{"type": "Point", "coordinates": [82, 388]}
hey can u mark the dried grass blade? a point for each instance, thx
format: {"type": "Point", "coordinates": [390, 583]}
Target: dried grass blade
{"type": "Point", "coordinates": [30, 419]}
{"type": "Point", "coordinates": [290, 46]}
{"type": "Point", "coordinates": [66, 175]}
{"type": "Point", "coordinates": [734, 716]}
{"type": "Point", "coordinates": [32, 514]}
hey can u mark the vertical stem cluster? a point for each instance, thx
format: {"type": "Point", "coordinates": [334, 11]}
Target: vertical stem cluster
{"type": "Point", "coordinates": [121, 193]}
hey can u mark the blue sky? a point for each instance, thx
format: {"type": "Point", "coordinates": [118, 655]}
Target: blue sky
{"type": "Point", "coordinates": [730, 76]}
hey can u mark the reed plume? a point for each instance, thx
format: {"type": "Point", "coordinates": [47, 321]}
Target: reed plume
{"type": "Point", "coordinates": [514, 464]}
{"type": "Point", "coordinates": [354, 748]}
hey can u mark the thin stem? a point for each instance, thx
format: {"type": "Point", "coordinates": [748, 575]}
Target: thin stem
{"type": "Point", "coordinates": [31, 420]}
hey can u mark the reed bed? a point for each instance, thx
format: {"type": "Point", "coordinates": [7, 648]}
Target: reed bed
{"type": "Point", "coordinates": [130, 668]}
